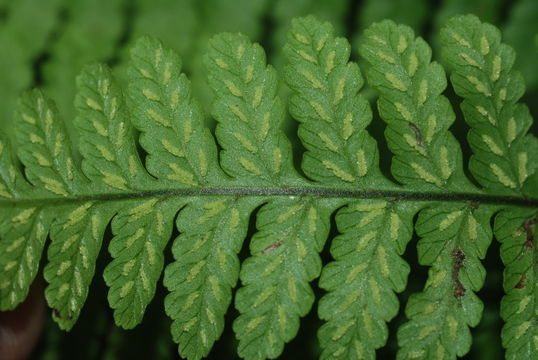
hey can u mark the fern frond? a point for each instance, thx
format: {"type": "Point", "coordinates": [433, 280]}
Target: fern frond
{"type": "Point", "coordinates": [181, 153]}
{"type": "Point", "coordinates": [333, 118]}
{"type": "Point", "coordinates": [76, 241]}
{"type": "Point", "coordinates": [453, 240]}
{"type": "Point", "coordinates": [212, 188]}
{"type": "Point", "coordinates": [275, 290]}
{"type": "Point", "coordinates": [77, 233]}
{"type": "Point", "coordinates": [141, 231]}
{"type": "Point", "coordinates": [418, 118]}
{"type": "Point", "coordinates": [106, 134]}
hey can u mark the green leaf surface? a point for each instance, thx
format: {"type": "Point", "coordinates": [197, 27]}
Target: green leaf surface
{"type": "Point", "coordinates": [142, 229]}
{"type": "Point", "coordinates": [362, 279]}
{"type": "Point", "coordinates": [516, 231]}
{"type": "Point", "coordinates": [179, 152]}
{"type": "Point", "coordinates": [205, 270]}
{"type": "Point", "coordinates": [145, 161]}
{"type": "Point", "coordinates": [76, 238]}
{"type": "Point", "coordinates": [325, 101]}
{"type": "Point", "coordinates": [417, 115]}
{"type": "Point", "coordinates": [24, 231]}
{"type": "Point", "coordinates": [453, 240]}
{"type": "Point", "coordinates": [106, 135]}
{"type": "Point", "coordinates": [44, 146]}
{"type": "Point", "coordinates": [275, 289]}
{"type": "Point", "coordinates": [248, 111]}
{"type": "Point", "coordinates": [482, 75]}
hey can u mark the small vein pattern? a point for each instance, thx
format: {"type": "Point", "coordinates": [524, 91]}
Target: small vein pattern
{"type": "Point", "coordinates": [106, 143]}
{"type": "Point", "coordinates": [326, 102]}
{"type": "Point", "coordinates": [248, 111]}
{"type": "Point", "coordinates": [362, 279]}
{"type": "Point", "coordinates": [516, 231]}
{"type": "Point", "coordinates": [205, 270]}
{"type": "Point", "coordinates": [483, 76]}
{"type": "Point", "coordinates": [47, 155]}
{"type": "Point", "coordinates": [23, 239]}
{"type": "Point", "coordinates": [275, 289]}
{"type": "Point", "coordinates": [453, 239]}
{"type": "Point", "coordinates": [426, 154]}
{"type": "Point", "coordinates": [181, 151]}
{"type": "Point", "coordinates": [78, 230]}
{"type": "Point", "coordinates": [76, 242]}
{"type": "Point", "coordinates": [141, 231]}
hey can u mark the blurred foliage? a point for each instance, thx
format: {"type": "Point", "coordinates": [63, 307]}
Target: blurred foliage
{"type": "Point", "coordinates": [45, 42]}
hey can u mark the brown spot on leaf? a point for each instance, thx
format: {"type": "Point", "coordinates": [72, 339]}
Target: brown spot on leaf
{"type": "Point", "coordinates": [522, 282]}
{"type": "Point", "coordinates": [458, 258]}
{"type": "Point", "coordinates": [273, 246]}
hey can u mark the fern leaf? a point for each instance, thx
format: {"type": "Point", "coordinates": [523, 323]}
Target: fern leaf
{"type": "Point", "coordinates": [516, 231]}
{"type": "Point", "coordinates": [333, 118]}
{"type": "Point", "coordinates": [254, 148]}
{"type": "Point", "coordinates": [275, 292]}
{"type": "Point", "coordinates": [163, 19]}
{"type": "Point", "coordinates": [362, 279]}
{"type": "Point", "coordinates": [44, 146]}
{"type": "Point", "coordinates": [23, 237]}
{"type": "Point", "coordinates": [501, 145]}
{"type": "Point", "coordinates": [248, 111]}
{"type": "Point", "coordinates": [453, 240]}
{"type": "Point", "coordinates": [418, 118]}
{"type": "Point", "coordinates": [417, 115]}
{"type": "Point", "coordinates": [142, 230]}
{"type": "Point", "coordinates": [44, 149]}
{"type": "Point", "coordinates": [210, 193]}
{"type": "Point", "coordinates": [76, 241]}
{"type": "Point", "coordinates": [106, 141]}
{"type": "Point", "coordinates": [205, 270]}
{"type": "Point", "coordinates": [284, 11]}
{"type": "Point", "coordinates": [23, 230]}
{"type": "Point", "coordinates": [180, 152]}
{"type": "Point", "coordinates": [332, 115]}
{"type": "Point", "coordinates": [482, 75]}
{"type": "Point", "coordinates": [12, 183]}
